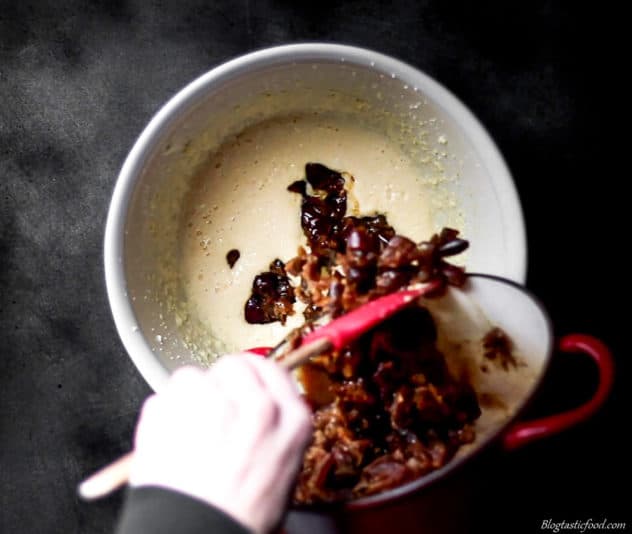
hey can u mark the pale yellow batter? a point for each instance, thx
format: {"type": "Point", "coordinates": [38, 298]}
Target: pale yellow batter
{"type": "Point", "coordinates": [241, 202]}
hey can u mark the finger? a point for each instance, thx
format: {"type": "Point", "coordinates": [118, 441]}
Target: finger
{"type": "Point", "coordinates": [189, 388]}
{"type": "Point", "coordinates": [231, 370]}
{"type": "Point", "coordinates": [295, 416]}
{"type": "Point", "coordinates": [186, 372]}
{"type": "Point", "coordinates": [184, 379]}
{"type": "Point", "coordinates": [149, 415]}
{"type": "Point", "coordinates": [195, 398]}
{"type": "Point", "coordinates": [272, 376]}
{"type": "Point", "coordinates": [243, 384]}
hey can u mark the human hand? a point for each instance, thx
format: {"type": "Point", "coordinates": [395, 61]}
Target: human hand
{"type": "Point", "coordinates": [232, 436]}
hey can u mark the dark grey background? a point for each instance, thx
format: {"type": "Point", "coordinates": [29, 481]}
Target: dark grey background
{"type": "Point", "coordinates": [79, 81]}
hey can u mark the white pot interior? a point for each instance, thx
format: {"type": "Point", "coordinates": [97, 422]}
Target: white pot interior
{"type": "Point", "coordinates": [463, 319]}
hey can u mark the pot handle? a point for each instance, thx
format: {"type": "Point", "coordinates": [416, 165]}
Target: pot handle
{"type": "Point", "coordinates": [520, 434]}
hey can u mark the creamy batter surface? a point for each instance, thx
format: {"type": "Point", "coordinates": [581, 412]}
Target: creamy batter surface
{"type": "Point", "coordinates": [240, 201]}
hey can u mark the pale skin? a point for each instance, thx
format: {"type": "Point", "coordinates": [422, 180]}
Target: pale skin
{"type": "Point", "coordinates": [232, 436]}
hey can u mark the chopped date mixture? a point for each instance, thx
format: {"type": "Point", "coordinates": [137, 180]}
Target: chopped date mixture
{"type": "Point", "coordinates": [386, 410]}
{"type": "Point", "coordinates": [272, 296]}
{"type": "Point", "coordinates": [232, 256]}
{"type": "Point", "coordinates": [352, 260]}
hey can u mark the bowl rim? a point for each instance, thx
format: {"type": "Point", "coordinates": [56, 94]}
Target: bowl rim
{"type": "Point", "coordinates": [137, 347]}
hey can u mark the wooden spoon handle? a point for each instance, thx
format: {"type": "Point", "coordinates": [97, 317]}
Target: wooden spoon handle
{"type": "Point", "coordinates": [106, 479]}
{"type": "Point", "coordinates": [116, 474]}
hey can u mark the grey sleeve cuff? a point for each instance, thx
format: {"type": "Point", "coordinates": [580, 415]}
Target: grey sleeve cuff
{"type": "Point", "coordinates": [153, 510]}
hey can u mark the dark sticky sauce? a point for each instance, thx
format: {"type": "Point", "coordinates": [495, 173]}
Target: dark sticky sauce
{"type": "Point", "coordinates": [498, 348]}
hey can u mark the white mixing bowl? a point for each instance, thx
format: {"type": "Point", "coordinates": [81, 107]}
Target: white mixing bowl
{"type": "Point", "coordinates": [461, 170]}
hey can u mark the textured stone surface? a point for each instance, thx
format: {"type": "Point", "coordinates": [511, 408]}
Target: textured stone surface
{"type": "Point", "coordinates": [79, 81]}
